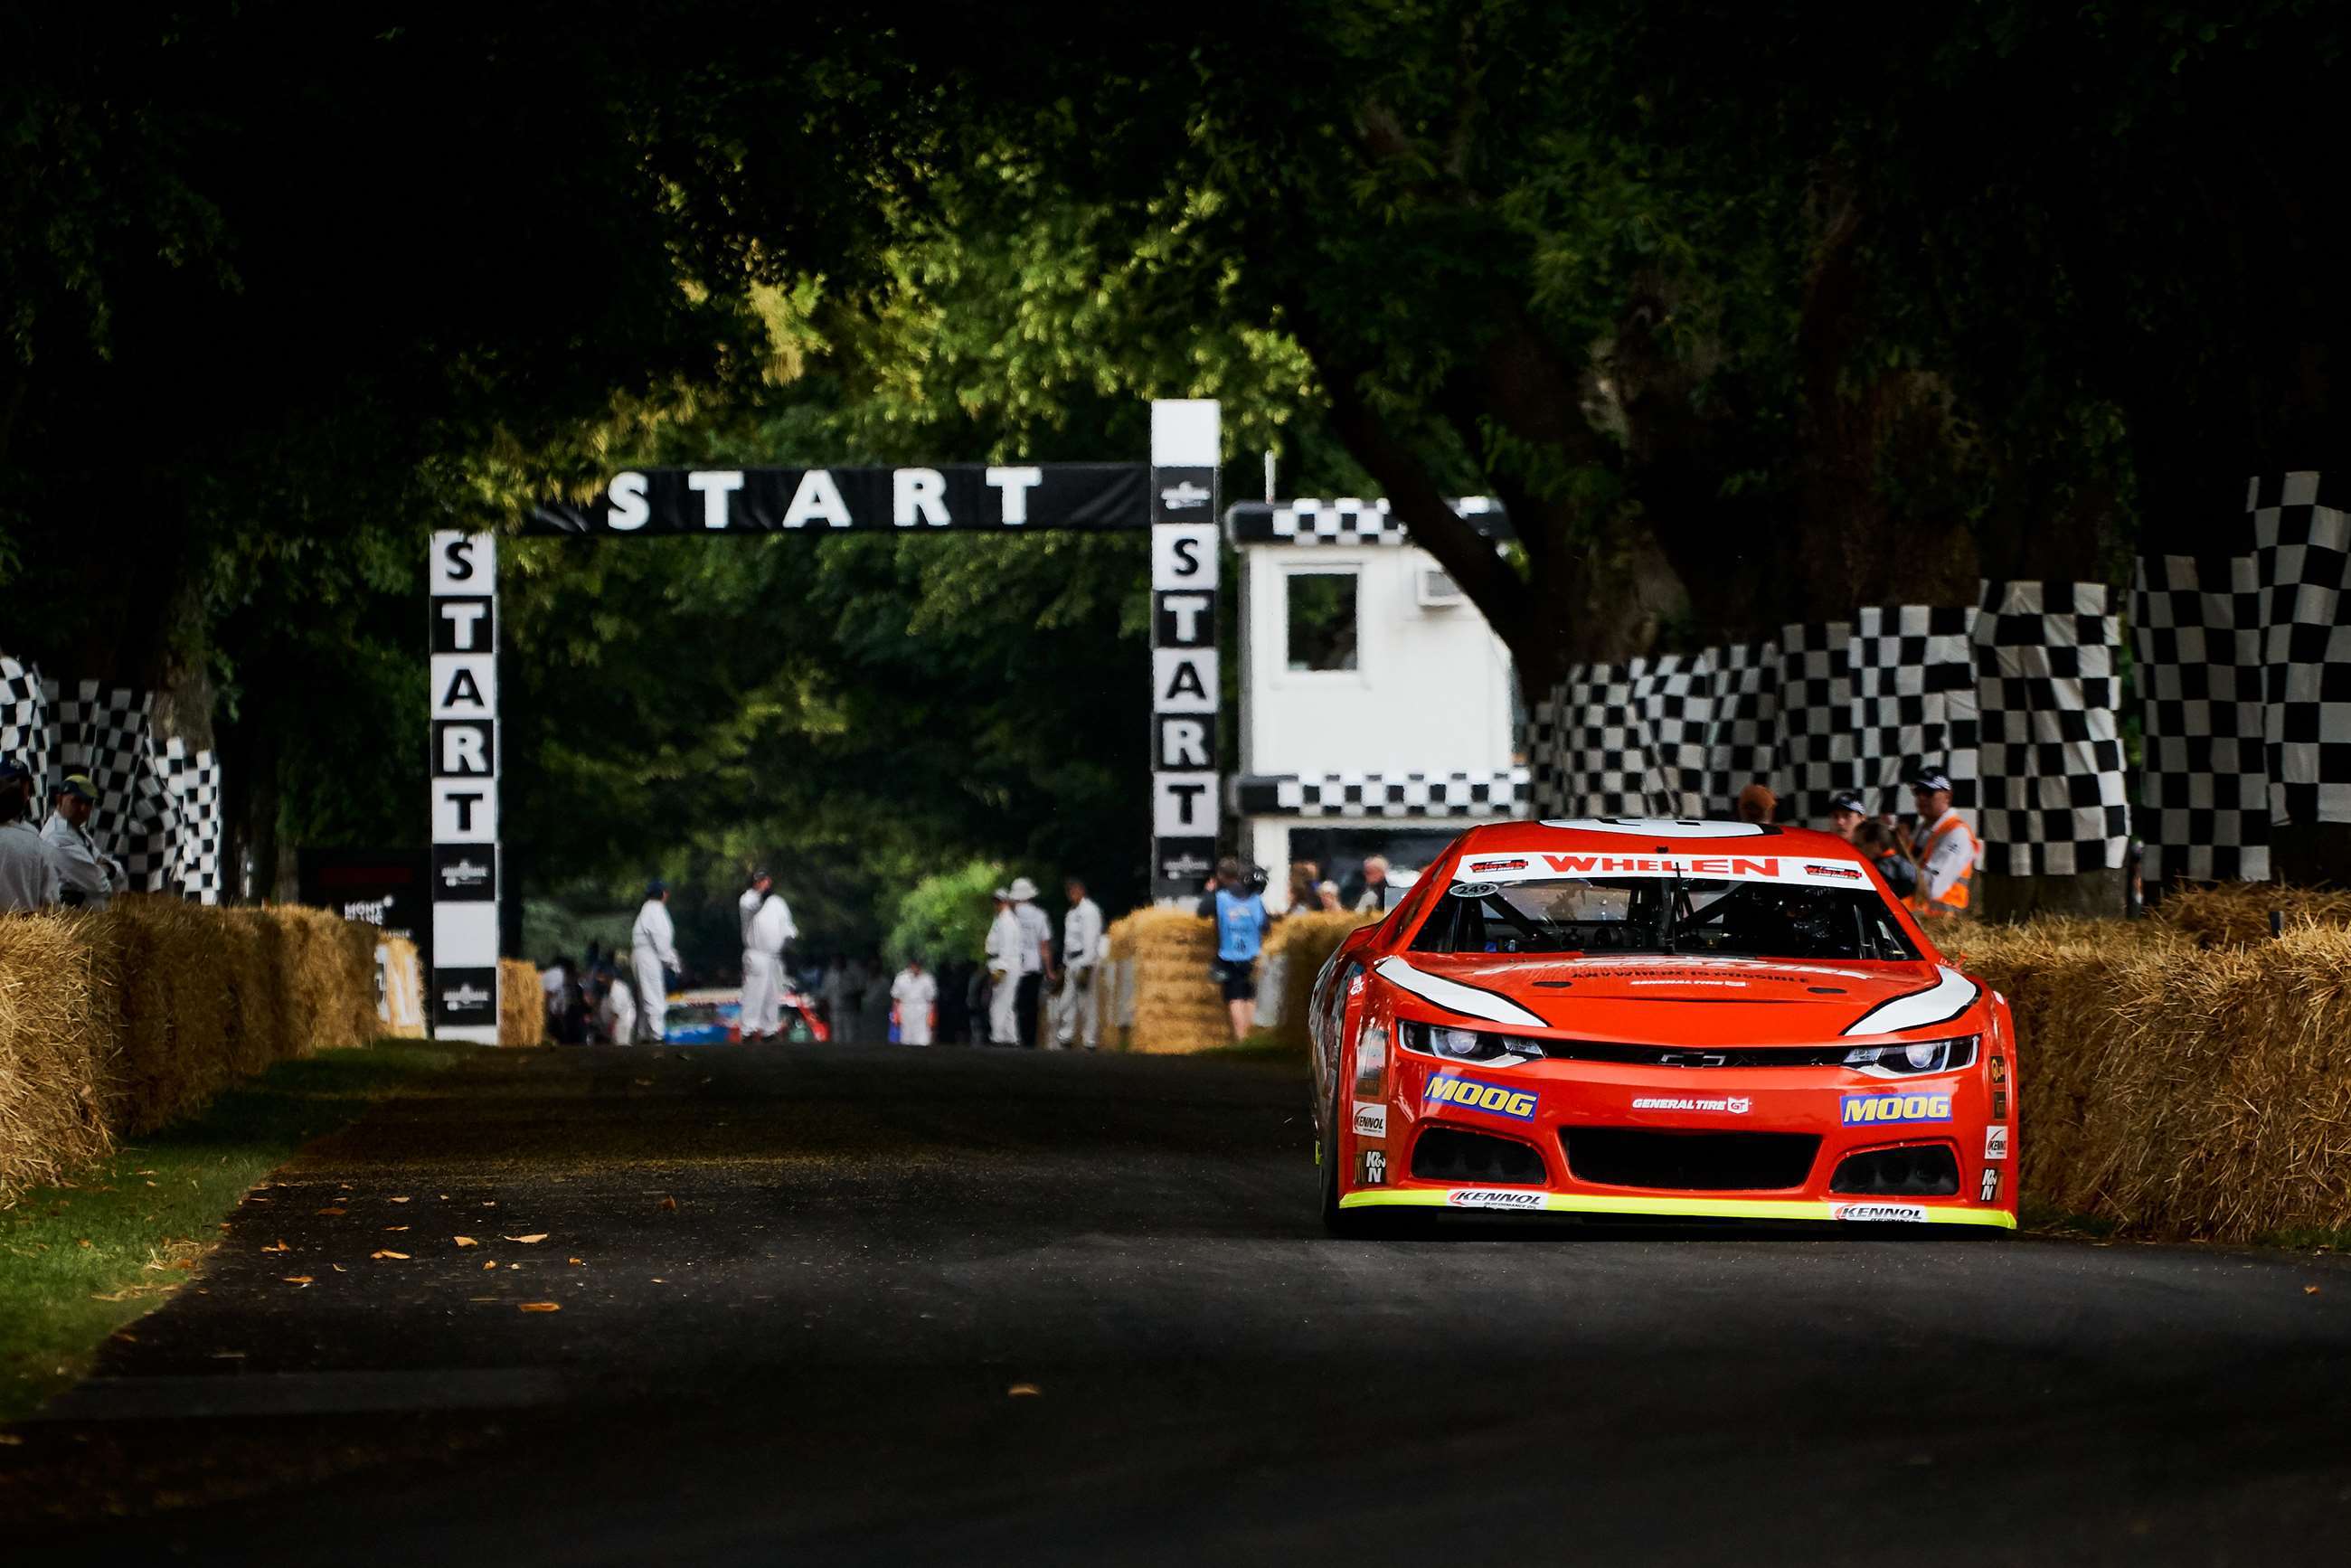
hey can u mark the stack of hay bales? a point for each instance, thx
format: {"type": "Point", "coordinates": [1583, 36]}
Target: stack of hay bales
{"type": "Point", "coordinates": [53, 1047]}
{"type": "Point", "coordinates": [1177, 1007]}
{"type": "Point", "coordinates": [114, 1023]}
{"type": "Point", "coordinates": [1296, 950]}
{"type": "Point", "coordinates": [522, 1005]}
{"type": "Point", "coordinates": [2185, 1077]}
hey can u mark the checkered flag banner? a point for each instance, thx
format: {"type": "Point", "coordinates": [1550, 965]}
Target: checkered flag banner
{"type": "Point", "coordinates": [191, 779]}
{"type": "Point", "coordinates": [1914, 702]}
{"type": "Point", "coordinates": [28, 729]}
{"type": "Point", "coordinates": [2049, 682]}
{"type": "Point", "coordinates": [2014, 698]}
{"type": "Point", "coordinates": [159, 809]}
{"type": "Point", "coordinates": [2246, 686]}
{"type": "Point", "coordinates": [1817, 755]}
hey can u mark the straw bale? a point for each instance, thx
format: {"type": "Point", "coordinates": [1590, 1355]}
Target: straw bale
{"type": "Point", "coordinates": [330, 973]}
{"type": "Point", "coordinates": [54, 1042]}
{"type": "Point", "coordinates": [1306, 941]}
{"type": "Point", "coordinates": [522, 1007]}
{"type": "Point", "coordinates": [2236, 914]}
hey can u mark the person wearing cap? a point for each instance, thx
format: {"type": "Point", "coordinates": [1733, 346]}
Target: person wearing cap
{"type": "Point", "coordinates": [1004, 940]}
{"type": "Point", "coordinates": [1847, 811]}
{"type": "Point", "coordinates": [87, 878]}
{"type": "Point", "coordinates": [1036, 955]}
{"type": "Point", "coordinates": [28, 868]}
{"type": "Point", "coordinates": [1945, 848]}
{"type": "Point", "coordinates": [653, 953]}
{"type": "Point", "coordinates": [1756, 804]}
{"type": "Point", "coordinates": [763, 962]}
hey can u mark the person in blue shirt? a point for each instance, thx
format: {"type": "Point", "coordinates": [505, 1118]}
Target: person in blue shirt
{"type": "Point", "coordinates": [1241, 920]}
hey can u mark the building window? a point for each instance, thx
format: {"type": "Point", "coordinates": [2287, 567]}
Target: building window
{"type": "Point", "coordinates": [1321, 620]}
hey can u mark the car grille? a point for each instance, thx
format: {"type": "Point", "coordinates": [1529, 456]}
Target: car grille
{"type": "Point", "coordinates": [1448, 1154]}
{"type": "Point", "coordinates": [1701, 1162]}
{"type": "Point", "coordinates": [1692, 1056]}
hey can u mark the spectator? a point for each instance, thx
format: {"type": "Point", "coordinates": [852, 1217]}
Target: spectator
{"type": "Point", "coordinates": [1875, 841]}
{"type": "Point", "coordinates": [1241, 920]}
{"type": "Point", "coordinates": [1303, 876]}
{"type": "Point", "coordinates": [85, 878]}
{"type": "Point", "coordinates": [652, 954]}
{"type": "Point", "coordinates": [28, 871]}
{"type": "Point", "coordinates": [1846, 812]}
{"type": "Point", "coordinates": [551, 981]}
{"type": "Point", "coordinates": [1004, 939]}
{"type": "Point", "coordinates": [1036, 955]}
{"type": "Point", "coordinates": [1379, 893]}
{"type": "Point", "coordinates": [1326, 898]}
{"type": "Point", "coordinates": [1756, 804]}
{"type": "Point", "coordinates": [616, 1014]}
{"type": "Point", "coordinates": [1082, 940]}
{"type": "Point", "coordinates": [914, 1004]}
{"type": "Point", "coordinates": [1945, 850]}
{"type": "Point", "coordinates": [763, 937]}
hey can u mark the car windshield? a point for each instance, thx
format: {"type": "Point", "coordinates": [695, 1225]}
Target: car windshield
{"type": "Point", "coordinates": [1728, 917]}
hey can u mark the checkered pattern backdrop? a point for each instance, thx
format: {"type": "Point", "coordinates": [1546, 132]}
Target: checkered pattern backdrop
{"type": "Point", "coordinates": [192, 781]}
{"type": "Point", "coordinates": [2047, 658]}
{"type": "Point", "coordinates": [159, 810]}
{"type": "Point", "coordinates": [2204, 807]}
{"type": "Point", "coordinates": [1502, 793]}
{"type": "Point", "coordinates": [1743, 728]}
{"type": "Point", "coordinates": [1349, 521]}
{"type": "Point", "coordinates": [1815, 756]}
{"type": "Point", "coordinates": [2020, 690]}
{"type": "Point", "coordinates": [26, 729]}
{"type": "Point", "coordinates": [2245, 685]}
{"type": "Point", "coordinates": [1914, 702]}
{"type": "Point", "coordinates": [2302, 565]}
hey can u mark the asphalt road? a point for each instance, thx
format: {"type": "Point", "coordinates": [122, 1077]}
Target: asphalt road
{"type": "Point", "coordinates": [814, 1287]}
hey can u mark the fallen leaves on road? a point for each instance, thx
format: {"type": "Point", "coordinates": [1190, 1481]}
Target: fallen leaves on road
{"type": "Point", "coordinates": [281, 1247]}
{"type": "Point", "coordinates": [575, 1262]}
{"type": "Point", "coordinates": [338, 1269]}
{"type": "Point", "coordinates": [296, 1279]}
{"type": "Point", "coordinates": [2310, 1290]}
{"type": "Point", "coordinates": [531, 1240]}
{"type": "Point", "coordinates": [400, 1200]}
{"type": "Point", "coordinates": [467, 1241]}
{"type": "Point", "coordinates": [669, 1203]}
{"type": "Point", "coordinates": [1023, 1391]}
{"type": "Point", "coordinates": [388, 1252]}
{"type": "Point", "coordinates": [395, 1228]}
{"type": "Point", "coordinates": [336, 1213]}
{"type": "Point", "coordinates": [542, 1306]}
{"type": "Point", "coordinates": [489, 1262]}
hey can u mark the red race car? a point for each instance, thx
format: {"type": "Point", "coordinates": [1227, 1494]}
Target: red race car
{"type": "Point", "coordinates": [1662, 1018]}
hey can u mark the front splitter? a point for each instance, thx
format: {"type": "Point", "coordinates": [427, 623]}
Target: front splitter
{"type": "Point", "coordinates": [1854, 1212]}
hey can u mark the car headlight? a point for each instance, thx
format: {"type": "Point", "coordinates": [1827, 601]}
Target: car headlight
{"type": "Point", "coordinates": [1371, 1061]}
{"type": "Point", "coordinates": [1913, 1057]}
{"type": "Point", "coordinates": [1469, 1044]}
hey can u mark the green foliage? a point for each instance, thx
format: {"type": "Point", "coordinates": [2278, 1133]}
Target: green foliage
{"type": "Point", "coordinates": [945, 915]}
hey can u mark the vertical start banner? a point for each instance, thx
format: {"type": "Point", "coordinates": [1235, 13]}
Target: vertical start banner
{"type": "Point", "coordinates": [1185, 770]}
{"type": "Point", "coordinates": [463, 584]}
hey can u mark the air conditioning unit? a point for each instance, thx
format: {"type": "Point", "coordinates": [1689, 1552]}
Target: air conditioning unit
{"type": "Point", "coordinates": [1435, 589]}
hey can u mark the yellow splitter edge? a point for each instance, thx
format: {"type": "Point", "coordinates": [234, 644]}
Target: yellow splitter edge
{"type": "Point", "coordinates": [1679, 1207]}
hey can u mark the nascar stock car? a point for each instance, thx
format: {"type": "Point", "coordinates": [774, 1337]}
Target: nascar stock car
{"type": "Point", "coordinates": [1659, 1019]}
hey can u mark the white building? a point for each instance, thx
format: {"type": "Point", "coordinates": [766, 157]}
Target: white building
{"type": "Point", "coordinates": [1377, 709]}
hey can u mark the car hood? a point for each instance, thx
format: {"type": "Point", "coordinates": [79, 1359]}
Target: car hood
{"type": "Point", "coordinates": [1669, 999]}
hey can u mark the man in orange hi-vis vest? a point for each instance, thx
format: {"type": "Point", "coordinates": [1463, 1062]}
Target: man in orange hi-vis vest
{"type": "Point", "coordinates": [1947, 852]}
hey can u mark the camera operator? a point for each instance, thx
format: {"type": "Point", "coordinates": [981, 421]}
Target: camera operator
{"type": "Point", "coordinates": [1237, 906]}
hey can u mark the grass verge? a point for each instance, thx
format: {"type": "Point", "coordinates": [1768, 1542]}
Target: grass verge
{"type": "Point", "coordinates": [79, 1260]}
